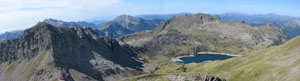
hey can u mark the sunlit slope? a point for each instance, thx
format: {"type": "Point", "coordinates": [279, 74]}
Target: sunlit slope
{"type": "Point", "coordinates": [278, 63]}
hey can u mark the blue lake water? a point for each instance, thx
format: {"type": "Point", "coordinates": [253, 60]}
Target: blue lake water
{"type": "Point", "coordinates": [203, 57]}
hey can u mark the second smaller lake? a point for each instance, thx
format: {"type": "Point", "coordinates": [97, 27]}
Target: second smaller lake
{"type": "Point", "coordinates": [203, 57]}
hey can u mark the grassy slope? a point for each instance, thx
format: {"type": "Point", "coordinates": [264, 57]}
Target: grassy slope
{"type": "Point", "coordinates": [277, 63]}
{"type": "Point", "coordinates": [26, 69]}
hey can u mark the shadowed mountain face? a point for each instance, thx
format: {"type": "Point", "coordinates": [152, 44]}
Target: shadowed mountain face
{"type": "Point", "coordinates": [45, 52]}
{"type": "Point", "coordinates": [202, 32]}
{"type": "Point", "coordinates": [126, 24]}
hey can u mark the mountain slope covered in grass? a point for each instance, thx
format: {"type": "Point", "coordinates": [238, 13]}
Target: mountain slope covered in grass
{"type": "Point", "coordinates": [277, 63]}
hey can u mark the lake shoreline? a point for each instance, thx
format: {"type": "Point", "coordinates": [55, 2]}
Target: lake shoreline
{"type": "Point", "coordinates": [178, 58]}
{"type": "Point", "coordinates": [217, 53]}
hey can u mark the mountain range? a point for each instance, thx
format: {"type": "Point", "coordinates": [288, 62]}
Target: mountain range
{"type": "Point", "coordinates": [141, 48]}
{"type": "Point", "coordinates": [57, 23]}
{"type": "Point", "coordinates": [118, 27]}
{"type": "Point", "coordinates": [280, 21]}
{"type": "Point", "coordinates": [161, 16]}
{"type": "Point", "coordinates": [122, 25]}
{"type": "Point", "coordinates": [289, 24]}
{"type": "Point", "coordinates": [292, 28]}
{"type": "Point", "coordinates": [257, 18]}
{"type": "Point", "coordinates": [60, 23]}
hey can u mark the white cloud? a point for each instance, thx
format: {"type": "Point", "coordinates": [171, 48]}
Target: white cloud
{"type": "Point", "coordinates": [21, 14]}
{"type": "Point", "coordinates": [83, 4]}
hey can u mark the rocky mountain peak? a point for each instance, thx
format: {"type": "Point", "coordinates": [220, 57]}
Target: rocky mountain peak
{"type": "Point", "coordinates": [126, 24]}
{"type": "Point", "coordinates": [188, 20]}
{"type": "Point", "coordinates": [71, 53]}
{"type": "Point", "coordinates": [51, 19]}
{"type": "Point", "coordinates": [37, 38]}
{"type": "Point", "coordinates": [206, 17]}
{"type": "Point", "coordinates": [55, 22]}
{"type": "Point", "coordinates": [217, 17]}
{"type": "Point", "coordinates": [40, 27]}
{"type": "Point", "coordinates": [199, 17]}
{"type": "Point", "coordinates": [126, 18]}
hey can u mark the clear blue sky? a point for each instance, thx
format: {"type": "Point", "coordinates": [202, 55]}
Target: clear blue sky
{"type": "Point", "coordinates": [283, 7]}
{"type": "Point", "coordinates": [22, 14]}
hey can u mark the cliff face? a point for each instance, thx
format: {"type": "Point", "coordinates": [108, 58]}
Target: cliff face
{"type": "Point", "coordinates": [48, 53]}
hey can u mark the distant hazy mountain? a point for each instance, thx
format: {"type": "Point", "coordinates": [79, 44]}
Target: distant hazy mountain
{"type": "Point", "coordinates": [160, 16]}
{"type": "Point", "coordinates": [256, 18]}
{"type": "Point", "coordinates": [292, 28]}
{"type": "Point", "coordinates": [289, 24]}
{"type": "Point", "coordinates": [99, 23]}
{"type": "Point", "coordinates": [60, 23]}
{"type": "Point", "coordinates": [54, 22]}
{"type": "Point", "coordinates": [126, 24]}
{"type": "Point", "coordinates": [11, 35]}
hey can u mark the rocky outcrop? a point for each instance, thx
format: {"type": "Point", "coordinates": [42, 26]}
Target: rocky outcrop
{"type": "Point", "coordinates": [45, 52]}
{"type": "Point", "coordinates": [199, 77]}
{"type": "Point", "coordinates": [196, 77]}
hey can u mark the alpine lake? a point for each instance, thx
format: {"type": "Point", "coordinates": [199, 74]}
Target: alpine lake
{"type": "Point", "coordinates": [198, 58]}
